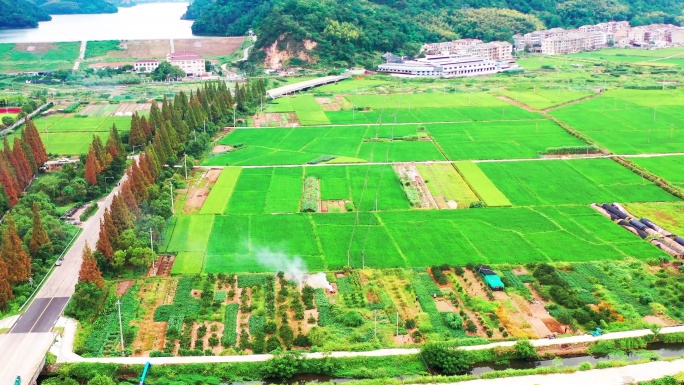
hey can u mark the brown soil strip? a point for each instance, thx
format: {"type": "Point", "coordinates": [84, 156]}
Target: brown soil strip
{"type": "Point", "coordinates": [516, 103]}
{"type": "Point", "coordinates": [410, 171]}
{"type": "Point", "coordinates": [219, 46]}
{"type": "Point", "coordinates": [221, 148]}
{"type": "Point", "coordinates": [151, 335]}
{"type": "Point", "coordinates": [123, 286]}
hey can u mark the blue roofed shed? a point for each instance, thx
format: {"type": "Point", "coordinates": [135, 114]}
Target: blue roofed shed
{"type": "Point", "coordinates": [491, 278]}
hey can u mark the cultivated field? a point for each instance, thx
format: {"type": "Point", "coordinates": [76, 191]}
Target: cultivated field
{"type": "Point", "coordinates": [581, 181]}
{"type": "Point", "coordinates": [669, 167]}
{"type": "Point", "coordinates": [117, 51]}
{"type": "Point", "coordinates": [630, 122]}
{"type": "Point", "coordinates": [660, 57]}
{"type": "Point", "coordinates": [545, 98]}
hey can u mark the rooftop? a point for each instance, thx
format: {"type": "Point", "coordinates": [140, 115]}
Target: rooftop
{"type": "Point", "coordinates": [184, 56]}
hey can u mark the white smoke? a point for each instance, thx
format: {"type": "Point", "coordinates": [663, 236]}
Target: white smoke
{"type": "Point", "coordinates": [293, 267]}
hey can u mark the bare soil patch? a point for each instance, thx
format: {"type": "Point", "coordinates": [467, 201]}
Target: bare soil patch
{"type": "Point", "coordinates": [445, 306]}
{"type": "Point", "coordinates": [334, 206]}
{"type": "Point", "coordinates": [516, 103]}
{"type": "Point", "coordinates": [109, 64]}
{"type": "Point", "coordinates": [329, 104]}
{"type": "Point", "coordinates": [162, 267]}
{"type": "Point", "coordinates": [141, 49]}
{"type": "Point", "coordinates": [655, 320]}
{"type": "Point", "coordinates": [198, 193]}
{"type": "Point", "coordinates": [127, 109]}
{"type": "Point", "coordinates": [34, 47]}
{"type": "Point", "coordinates": [123, 286]}
{"type": "Point", "coordinates": [221, 148]}
{"type": "Point", "coordinates": [151, 335]}
{"type": "Point", "coordinates": [217, 46]}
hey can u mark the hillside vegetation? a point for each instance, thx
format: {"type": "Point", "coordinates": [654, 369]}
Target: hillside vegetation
{"type": "Point", "coordinates": [21, 14]}
{"type": "Point", "coordinates": [65, 7]}
{"type": "Point", "coordinates": [344, 30]}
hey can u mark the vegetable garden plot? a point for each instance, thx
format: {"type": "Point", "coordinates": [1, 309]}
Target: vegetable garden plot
{"type": "Point", "coordinates": [444, 181]}
{"type": "Point", "coordinates": [481, 184]}
{"type": "Point", "coordinates": [221, 191]}
{"type": "Point", "coordinates": [499, 140]}
{"type": "Point", "coordinates": [581, 181]}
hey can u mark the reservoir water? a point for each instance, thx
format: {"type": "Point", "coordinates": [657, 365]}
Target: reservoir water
{"type": "Point", "coordinates": [141, 22]}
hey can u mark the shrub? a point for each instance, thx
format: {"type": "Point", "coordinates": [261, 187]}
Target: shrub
{"type": "Point", "coordinates": [302, 341]}
{"type": "Point", "coordinates": [445, 360]}
{"type": "Point", "coordinates": [321, 159]}
{"type": "Point", "coordinates": [453, 321]}
{"type": "Point", "coordinates": [410, 323]}
{"type": "Point", "coordinates": [229, 332]}
{"type": "Point", "coordinates": [352, 319]}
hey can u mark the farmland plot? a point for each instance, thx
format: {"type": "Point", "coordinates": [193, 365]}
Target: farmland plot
{"type": "Point", "coordinates": [499, 140]}
{"type": "Point", "coordinates": [667, 167]}
{"type": "Point", "coordinates": [630, 122]}
{"type": "Point", "coordinates": [266, 190]}
{"type": "Point", "coordinates": [426, 115]}
{"type": "Point", "coordinates": [446, 184]}
{"type": "Point", "coordinates": [276, 146]}
{"type": "Point", "coordinates": [581, 181]}
{"type": "Point", "coordinates": [221, 191]}
{"type": "Point", "coordinates": [240, 243]}
{"type": "Point", "coordinates": [481, 184]}
{"type": "Point", "coordinates": [545, 98]}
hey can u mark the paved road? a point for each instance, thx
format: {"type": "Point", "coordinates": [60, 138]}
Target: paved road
{"type": "Point", "coordinates": [23, 348]}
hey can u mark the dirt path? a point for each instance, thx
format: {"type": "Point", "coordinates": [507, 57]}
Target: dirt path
{"type": "Point", "coordinates": [517, 103]}
{"type": "Point", "coordinates": [571, 102]}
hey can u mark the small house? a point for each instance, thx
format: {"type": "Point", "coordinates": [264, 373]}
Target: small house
{"type": "Point", "coordinates": [491, 278]}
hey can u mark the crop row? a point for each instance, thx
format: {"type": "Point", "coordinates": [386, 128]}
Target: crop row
{"type": "Point", "coordinates": [311, 195]}
{"type": "Point", "coordinates": [426, 290]}
{"type": "Point", "coordinates": [324, 314]}
{"type": "Point", "coordinates": [229, 337]}
{"type": "Point", "coordinates": [106, 326]}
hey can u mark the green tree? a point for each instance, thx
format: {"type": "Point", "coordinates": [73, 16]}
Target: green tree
{"type": "Point", "coordinates": [7, 120]}
{"type": "Point", "coordinates": [447, 361]}
{"type": "Point", "coordinates": [166, 71]}
{"type": "Point", "coordinates": [525, 350]}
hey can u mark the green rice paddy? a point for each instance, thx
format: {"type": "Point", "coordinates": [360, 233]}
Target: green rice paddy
{"type": "Point", "coordinates": [481, 185]}
{"type": "Point", "coordinates": [581, 181]}
{"type": "Point", "coordinates": [221, 191]}
{"type": "Point", "coordinates": [670, 168]}
{"type": "Point", "coordinates": [239, 243]}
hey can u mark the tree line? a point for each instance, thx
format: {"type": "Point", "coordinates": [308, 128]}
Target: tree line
{"type": "Point", "coordinates": [143, 203]}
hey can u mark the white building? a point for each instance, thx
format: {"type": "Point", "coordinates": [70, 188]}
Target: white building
{"type": "Point", "coordinates": [145, 65]}
{"type": "Point", "coordinates": [446, 66]}
{"type": "Point", "coordinates": [495, 50]}
{"type": "Point", "coordinates": [191, 63]}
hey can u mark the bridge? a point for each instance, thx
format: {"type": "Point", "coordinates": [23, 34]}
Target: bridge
{"type": "Point", "coordinates": [305, 85]}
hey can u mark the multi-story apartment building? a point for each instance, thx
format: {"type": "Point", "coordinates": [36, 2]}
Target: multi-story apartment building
{"type": "Point", "coordinates": [191, 63]}
{"type": "Point", "coordinates": [496, 50]}
{"type": "Point", "coordinates": [145, 66]}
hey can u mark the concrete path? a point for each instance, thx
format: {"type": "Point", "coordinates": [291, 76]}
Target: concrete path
{"type": "Point", "coordinates": [81, 55]}
{"type": "Point", "coordinates": [67, 355]}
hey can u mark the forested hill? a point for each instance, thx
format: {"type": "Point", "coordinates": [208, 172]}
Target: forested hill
{"type": "Point", "coordinates": [65, 7]}
{"type": "Point", "coordinates": [347, 30]}
{"type": "Point", "coordinates": [21, 14]}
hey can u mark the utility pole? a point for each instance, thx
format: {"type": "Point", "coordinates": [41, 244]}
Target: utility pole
{"type": "Point", "coordinates": [173, 209]}
{"type": "Point", "coordinates": [397, 322]}
{"type": "Point", "coordinates": [118, 304]}
{"type": "Point", "coordinates": [375, 316]}
{"type": "Point", "coordinates": [348, 258]}
{"type": "Point", "coordinates": [234, 106]}
{"type": "Point", "coordinates": [185, 160]}
{"type": "Point", "coordinates": [363, 259]}
{"type": "Point", "coordinates": [151, 242]}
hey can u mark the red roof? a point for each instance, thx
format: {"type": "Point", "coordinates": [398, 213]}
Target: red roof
{"type": "Point", "coordinates": [147, 61]}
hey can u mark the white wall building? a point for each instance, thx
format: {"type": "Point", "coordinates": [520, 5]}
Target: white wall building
{"type": "Point", "coordinates": [145, 66]}
{"type": "Point", "coordinates": [191, 63]}
{"type": "Point", "coordinates": [446, 66]}
{"type": "Point", "coordinates": [495, 50]}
